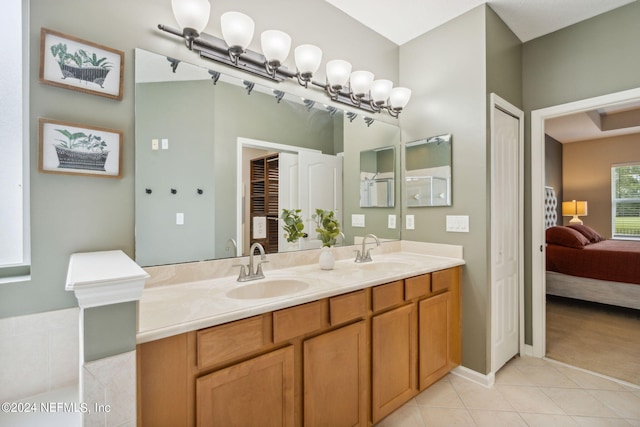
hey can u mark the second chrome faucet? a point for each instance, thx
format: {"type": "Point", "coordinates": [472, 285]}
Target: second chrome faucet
{"type": "Point", "coordinates": [365, 254]}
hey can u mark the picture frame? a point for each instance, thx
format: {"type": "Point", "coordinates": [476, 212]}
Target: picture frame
{"type": "Point", "coordinates": [76, 64]}
{"type": "Point", "coordinates": [76, 149]}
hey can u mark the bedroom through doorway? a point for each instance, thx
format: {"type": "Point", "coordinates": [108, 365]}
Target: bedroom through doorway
{"type": "Point", "coordinates": [601, 338]}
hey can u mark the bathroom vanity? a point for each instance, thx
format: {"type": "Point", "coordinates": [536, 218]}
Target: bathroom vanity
{"type": "Point", "coordinates": [349, 348]}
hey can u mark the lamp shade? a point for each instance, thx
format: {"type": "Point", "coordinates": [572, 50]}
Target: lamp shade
{"type": "Point", "coordinates": [399, 97]}
{"type": "Point", "coordinates": [192, 14]}
{"type": "Point", "coordinates": [237, 29]}
{"type": "Point", "coordinates": [308, 58]}
{"type": "Point", "coordinates": [574, 207]}
{"type": "Point", "coordinates": [275, 46]}
{"type": "Point", "coordinates": [338, 72]}
{"type": "Point", "coordinates": [360, 82]}
{"type": "Point", "coordinates": [381, 90]}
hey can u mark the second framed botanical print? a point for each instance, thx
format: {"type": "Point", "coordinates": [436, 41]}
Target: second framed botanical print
{"type": "Point", "coordinates": [71, 148]}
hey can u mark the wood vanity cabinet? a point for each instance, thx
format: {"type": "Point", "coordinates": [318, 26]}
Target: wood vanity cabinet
{"type": "Point", "coordinates": [348, 360]}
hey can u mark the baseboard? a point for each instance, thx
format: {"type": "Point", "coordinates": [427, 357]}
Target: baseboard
{"type": "Point", "coordinates": [526, 350]}
{"type": "Point", "coordinates": [486, 380]}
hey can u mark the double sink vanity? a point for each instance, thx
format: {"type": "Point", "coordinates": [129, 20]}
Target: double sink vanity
{"type": "Point", "coordinates": [302, 346]}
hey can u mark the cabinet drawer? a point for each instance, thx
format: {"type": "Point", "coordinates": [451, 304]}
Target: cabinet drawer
{"type": "Point", "coordinates": [296, 321]}
{"type": "Point", "coordinates": [232, 340]}
{"type": "Point", "coordinates": [440, 280]}
{"type": "Point", "coordinates": [417, 286]}
{"type": "Point", "coordinates": [388, 295]}
{"type": "Point", "coordinates": [347, 307]}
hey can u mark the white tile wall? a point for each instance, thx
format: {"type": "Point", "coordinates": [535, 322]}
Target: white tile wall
{"type": "Point", "coordinates": [110, 383]}
{"type": "Point", "coordinates": [38, 353]}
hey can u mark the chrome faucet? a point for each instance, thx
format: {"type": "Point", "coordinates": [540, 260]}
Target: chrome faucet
{"type": "Point", "coordinates": [245, 276]}
{"type": "Point", "coordinates": [363, 256]}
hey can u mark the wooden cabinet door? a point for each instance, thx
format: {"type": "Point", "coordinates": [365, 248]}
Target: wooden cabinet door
{"type": "Point", "coordinates": [434, 331]}
{"type": "Point", "coordinates": [394, 359]}
{"type": "Point", "coordinates": [335, 378]}
{"type": "Point", "coordinates": [258, 392]}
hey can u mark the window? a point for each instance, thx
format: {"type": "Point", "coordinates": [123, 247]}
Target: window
{"type": "Point", "coordinates": [625, 201]}
{"type": "Point", "coordinates": [14, 147]}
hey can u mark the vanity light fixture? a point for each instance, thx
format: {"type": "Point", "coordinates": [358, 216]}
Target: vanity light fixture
{"type": "Point", "coordinates": [356, 89]}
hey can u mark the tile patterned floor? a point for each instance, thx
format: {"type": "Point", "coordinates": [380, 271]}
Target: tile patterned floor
{"type": "Point", "coordinates": [527, 392]}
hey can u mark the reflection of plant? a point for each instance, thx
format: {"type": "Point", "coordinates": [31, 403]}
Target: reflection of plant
{"type": "Point", "coordinates": [81, 141]}
{"type": "Point", "coordinates": [293, 224]}
{"type": "Point", "coordinates": [328, 227]}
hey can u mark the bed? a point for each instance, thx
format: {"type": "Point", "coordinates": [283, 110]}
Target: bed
{"type": "Point", "coordinates": [581, 264]}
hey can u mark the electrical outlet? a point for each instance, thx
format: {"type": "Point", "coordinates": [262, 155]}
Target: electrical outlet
{"type": "Point", "coordinates": [458, 223]}
{"type": "Point", "coordinates": [357, 220]}
{"type": "Point", "coordinates": [411, 224]}
{"type": "Point", "coordinates": [392, 221]}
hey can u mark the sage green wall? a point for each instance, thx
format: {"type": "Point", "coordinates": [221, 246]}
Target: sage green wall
{"type": "Point", "coordinates": [451, 70]}
{"type": "Point", "coordinates": [76, 214]}
{"type": "Point", "coordinates": [594, 57]}
{"type": "Point", "coordinates": [446, 70]}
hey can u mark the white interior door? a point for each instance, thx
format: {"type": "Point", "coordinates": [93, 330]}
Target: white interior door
{"type": "Point", "coordinates": [287, 194]}
{"type": "Point", "coordinates": [506, 233]}
{"type": "Point", "coordinates": [320, 188]}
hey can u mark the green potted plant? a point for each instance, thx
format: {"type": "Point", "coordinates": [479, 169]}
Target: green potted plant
{"type": "Point", "coordinates": [293, 225]}
{"type": "Point", "coordinates": [81, 151]}
{"type": "Point", "coordinates": [328, 229]}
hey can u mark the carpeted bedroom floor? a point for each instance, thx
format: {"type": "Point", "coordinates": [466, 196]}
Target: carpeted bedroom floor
{"type": "Point", "coordinates": [596, 337]}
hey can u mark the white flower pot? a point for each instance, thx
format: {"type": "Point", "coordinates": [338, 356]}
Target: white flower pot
{"type": "Point", "coordinates": [327, 259]}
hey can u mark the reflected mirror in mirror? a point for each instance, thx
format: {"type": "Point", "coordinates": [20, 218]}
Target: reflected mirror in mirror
{"type": "Point", "coordinates": [377, 178]}
{"type": "Point", "coordinates": [428, 172]}
{"type": "Point", "coordinates": [197, 132]}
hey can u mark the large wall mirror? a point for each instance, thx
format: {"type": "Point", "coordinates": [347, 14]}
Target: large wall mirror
{"type": "Point", "coordinates": [218, 158]}
{"type": "Point", "coordinates": [428, 172]}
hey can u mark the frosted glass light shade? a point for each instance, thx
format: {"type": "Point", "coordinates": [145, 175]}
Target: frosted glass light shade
{"type": "Point", "coordinates": [399, 97]}
{"type": "Point", "coordinates": [193, 14]}
{"type": "Point", "coordinates": [338, 72]}
{"type": "Point", "coordinates": [308, 58]}
{"type": "Point", "coordinates": [381, 90]}
{"type": "Point", "coordinates": [237, 29]}
{"type": "Point", "coordinates": [361, 82]}
{"type": "Point", "coordinates": [275, 46]}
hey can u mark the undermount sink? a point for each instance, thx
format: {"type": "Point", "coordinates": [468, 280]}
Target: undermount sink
{"type": "Point", "coordinates": [268, 288]}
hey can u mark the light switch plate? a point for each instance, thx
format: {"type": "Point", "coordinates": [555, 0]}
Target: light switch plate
{"type": "Point", "coordinates": [154, 144]}
{"type": "Point", "coordinates": [165, 144]}
{"type": "Point", "coordinates": [392, 221]}
{"type": "Point", "coordinates": [179, 218]}
{"type": "Point", "coordinates": [410, 222]}
{"type": "Point", "coordinates": [458, 223]}
{"type": "Point", "coordinates": [357, 220]}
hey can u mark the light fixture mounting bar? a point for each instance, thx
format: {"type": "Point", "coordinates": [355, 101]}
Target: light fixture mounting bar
{"type": "Point", "coordinates": [216, 49]}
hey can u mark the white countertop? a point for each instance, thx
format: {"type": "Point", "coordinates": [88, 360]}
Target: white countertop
{"type": "Point", "coordinates": [169, 310]}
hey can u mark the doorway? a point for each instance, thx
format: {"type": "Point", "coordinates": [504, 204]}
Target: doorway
{"type": "Point", "coordinates": [538, 268]}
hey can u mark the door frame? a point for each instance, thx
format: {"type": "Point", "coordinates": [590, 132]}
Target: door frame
{"type": "Point", "coordinates": [241, 143]}
{"type": "Point", "coordinates": [500, 103]}
{"type": "Point", "coordinates": [538, 267]}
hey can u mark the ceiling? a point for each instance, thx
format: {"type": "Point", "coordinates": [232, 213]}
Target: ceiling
{"type": "Point", "coordinates": [403, 20]}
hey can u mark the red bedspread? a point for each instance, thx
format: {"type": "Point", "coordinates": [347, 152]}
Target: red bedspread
{"type": "Point", "coordinates": [613, 260]}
